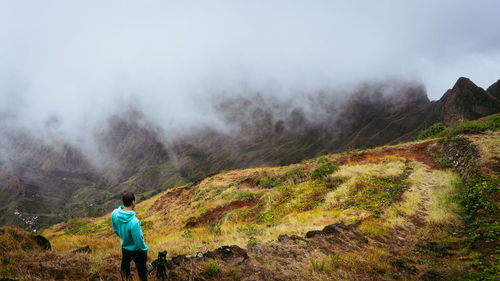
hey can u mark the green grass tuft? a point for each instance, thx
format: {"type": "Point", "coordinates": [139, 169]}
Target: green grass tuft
{"type": "Point", "coordinates": [212, 269]}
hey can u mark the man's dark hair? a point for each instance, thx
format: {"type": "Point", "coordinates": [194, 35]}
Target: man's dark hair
{"type": "Point", "coordinates": [128, 198]}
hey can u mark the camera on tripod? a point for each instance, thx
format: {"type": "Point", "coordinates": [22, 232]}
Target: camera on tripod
{"type": "Point", "coordinates": [160, 265]}
{"type": "Point", "coordinates": [162, 255]}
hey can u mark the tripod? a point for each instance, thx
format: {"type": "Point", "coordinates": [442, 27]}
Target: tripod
{"type": "Point", "coordinates": [160, 265]}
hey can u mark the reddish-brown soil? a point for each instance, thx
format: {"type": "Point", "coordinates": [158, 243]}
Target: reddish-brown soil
{"type": "Point", "coordinates": [416, 152]}
{"type": "Point", "coordinates": [214, 214]}
{"type": "Point", "coordinates": [174, 195]}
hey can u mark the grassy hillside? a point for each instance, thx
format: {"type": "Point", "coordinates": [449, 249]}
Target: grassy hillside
{"type": "Point", "coordinates": [425, 210]}
{"type": "Point", "coordinates": [49, 182]}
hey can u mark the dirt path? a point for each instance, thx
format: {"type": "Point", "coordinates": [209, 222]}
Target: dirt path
{"type": "Point", "coordinates": [415, 152]}
{"type": "Point", "coordinates": [407, 236]}
{"type": "Point", "coordinates": [293, 257]}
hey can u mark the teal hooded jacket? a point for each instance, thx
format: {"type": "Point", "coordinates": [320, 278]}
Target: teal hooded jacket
{"type": "Point", "coordinates": [128, 228]}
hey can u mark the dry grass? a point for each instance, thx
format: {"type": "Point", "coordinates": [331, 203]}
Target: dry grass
{"type": "Point", "coordinates": [443, 210]}
{"type": "Point", "coordinates": [296, 206]}
{"type": "Point", "coordinates": [166, 226]}
{"type": "Point", "coordinates": [412, 199]}
{"type": "Point", "coordinates": [489, 148]}
{"type": "Point", "coordinates": [354, 171]}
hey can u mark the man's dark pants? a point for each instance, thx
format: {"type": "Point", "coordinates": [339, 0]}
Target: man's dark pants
{"type": "Point", "coordinates": [140, 258]}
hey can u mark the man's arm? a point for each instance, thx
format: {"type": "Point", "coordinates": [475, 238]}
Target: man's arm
{"type": "Point", "coordinates": [113, 223]}
{"type": "Point", "coordinates": [138, 237]}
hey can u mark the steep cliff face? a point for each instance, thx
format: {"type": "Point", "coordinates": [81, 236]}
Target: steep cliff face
{"type": "Point", "coordinates": [494, 90]}
{"type": "Point", "coordinates": [56, 181]}
{"type": "Point", "coordinates": [383, 119]}
{"type": "Point", "coordinates": [465, 101]}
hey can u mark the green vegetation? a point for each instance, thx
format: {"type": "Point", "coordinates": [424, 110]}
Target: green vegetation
{"type": "Point", "coordinates": [269, 216]}
{"type": "Point", "coordinates": [13, 238]}
{"type": "Point", "coordinates": [481, 212]}
{"type": "Point", "coordinates": [327, 266]}
{"type": "Point", "coordinates": [406, 209]}
{"type": "Point", "coordinates": [465, 127]}
{"type": "Point", "coordinates": [249, 229]}
{"type": "Point", "coordinates": [241, 195]}
{"type": "Point", "coordinates": [252, 241]}
{"type": "Point", "coordinates": [212, 268]}
{"type": "Point", "coordinates": [187, 234]}
{"type": "Point", "coordinates": [323, 170]}
{"type": "Point", "coordinates": [268, 181]}
{"type": "Point", "coordinates": [214, 228]}
{"type": "Point", "coordinates": [374, 194]}
{"type": "Point", "coordinates": [82, 226]}
{"type": "Point", "coordinates": [219, 190]}
{"type": "Point", "coordinates": [295, 175]}
{"type": "Point", "coordinates": [201, 193]}
{"type": "Point", "coordinates": [469, 127]}
{"type": "Point", "coordinates": [433, 131]}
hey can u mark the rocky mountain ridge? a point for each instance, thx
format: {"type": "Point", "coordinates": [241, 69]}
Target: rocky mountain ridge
{"type": "Point", "coordinates": [54, 182]}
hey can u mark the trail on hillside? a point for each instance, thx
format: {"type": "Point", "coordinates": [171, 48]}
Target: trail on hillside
{"type": "Point", "coordinates": [291, 257]}
{"type": "Point", "coordinates": [352, 241]}
{"type": "Point", "coordinates": [415, 152]}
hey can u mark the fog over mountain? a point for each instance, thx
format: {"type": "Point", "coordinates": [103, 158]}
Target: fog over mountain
{"type": "Point", "coordinates": [101, 97]}
{"type": "Point", "coordinates": [65, 67]}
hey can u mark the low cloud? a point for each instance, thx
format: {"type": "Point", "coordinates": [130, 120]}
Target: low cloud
{"type": "Point", "coordinates": [65, 67]}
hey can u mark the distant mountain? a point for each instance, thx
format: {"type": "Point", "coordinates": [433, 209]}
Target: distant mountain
{"type": "Point", "coordinates": [494, 90]}
{"type": "Point", "coordinates": [377, 214]}
{"type": "Point", "coordinates": [465, 101]}
{"type": "Point", "coordinates": [47, 183]}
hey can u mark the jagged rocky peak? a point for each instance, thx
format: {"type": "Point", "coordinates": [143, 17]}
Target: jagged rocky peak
{"type": "Point", "coordinates": [464, 83]}
{"type": "Point", "coordinates": [494, 90]}
{"type": "Point", "coordinates": [466, 101]}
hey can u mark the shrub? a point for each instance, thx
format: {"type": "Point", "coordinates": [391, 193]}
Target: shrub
{"type": "Point", "coordinates": [243, 195]}
{"type": "Point", "coordinates": [321, 159]}
{"type": "Point", "coordinates": [266, 181]}
{"type": "Point", "coordinates": [323, 170]}
{"type": "Point", "coordinates": [295, 175]}
{"type": "Point", "coordinates": [266, 216]}
{"type": "Point", "coordinates": [468, 127]}
{"type": "Point", "coordinates": [219, 190]}
{"type": "Point", "coordinates": [212, 268]}
{"type": "Point", "coordinates": [480, 211]}
{"type": "Point", "coordinates": [445, 163]}
{"type": "Point", "coordinates": [494, 123]}
{"type": "Point", "coordinates": [432, 132]}
{"type": "Point", "coordinates": [252, 241]}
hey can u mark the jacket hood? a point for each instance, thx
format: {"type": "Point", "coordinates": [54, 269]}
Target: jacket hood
{"type": "Point", "coordinates": [124, 216]}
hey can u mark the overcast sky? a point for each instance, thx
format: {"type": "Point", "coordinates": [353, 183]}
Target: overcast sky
{"type": "Point", "coordinates": [78, 59]}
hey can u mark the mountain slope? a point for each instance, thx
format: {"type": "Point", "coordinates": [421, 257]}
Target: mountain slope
{"type": "Point", "coordinates": [465, 101]}
{"type": "Point", "coordinates": [388, 213]}
{"type": "Point", "coordinates": [48, 183]}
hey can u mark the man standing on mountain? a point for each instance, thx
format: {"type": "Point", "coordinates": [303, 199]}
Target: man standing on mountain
{"type": "Point", "coordinates": [128, 228]}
